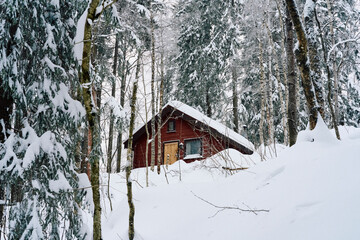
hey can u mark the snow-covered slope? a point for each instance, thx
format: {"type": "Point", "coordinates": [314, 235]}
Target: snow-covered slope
{"type": "Point", "coordinates": [311, 191]}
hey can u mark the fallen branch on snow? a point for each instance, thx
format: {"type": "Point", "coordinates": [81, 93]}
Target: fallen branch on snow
{"type": "Point", "coordinates": [254, 211]}
{"type": "Point", "coordinates": [234, 169]}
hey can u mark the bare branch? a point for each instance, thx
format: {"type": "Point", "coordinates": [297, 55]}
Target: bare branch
{"type": "Point", "coordinates": [221, 208]}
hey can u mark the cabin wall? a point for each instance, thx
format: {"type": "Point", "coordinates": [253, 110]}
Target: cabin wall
{"type": "Point", "coordinates": [184, 130]}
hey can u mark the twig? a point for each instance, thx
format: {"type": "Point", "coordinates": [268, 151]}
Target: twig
{"type": "Point", "coordinates": [254, 211]}
{"type": "Point", "coordinates": [235, 169]}
{"type": "Point", "coordinates": [167, 180]}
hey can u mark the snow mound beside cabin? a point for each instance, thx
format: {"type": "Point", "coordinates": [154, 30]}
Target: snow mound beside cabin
{"type": "Point", "coordinates": [311, 191]}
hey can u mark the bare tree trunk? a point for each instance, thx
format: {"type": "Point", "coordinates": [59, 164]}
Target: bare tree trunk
{"type": "Point", "coordinates": [329, 4]}
{"type": "Point", "coordinates": [270, 117]}
{"type": "Point", "coordinates": [313, 55]}
{"type": "Point", "coordinates": [122, 103]}
{"type": "Point", "coordinates": [263, 97]}
{"type": "Point", "coordinates": [235, 98]}
{"type": "Point", "coordinates": [153, 130]}
{"type": "Point", "coordinates": [208, 103]}
{"type": "Point", "coordinates": [161, 98]}
{"type": "Point", "coordinates": [278, 78]}
{"type": "Point", "coordinates": [302, 61]}
{"type": "Point", "coordinates": [113, 89]}
{"type": "Point", "coordinates": [147, 132]}
{"type": "Point", "coordinates": [129, 150]}
{"type": "Point", "coordinates": [292, 82]}
{"type": "Point", "coordinates": [92, 115]}
{"type": "Point", "coordinates": [333, 115]}
{"type": "Point", "coordinates": [111, 127]}
{"type": "Point", "coordinates": [285, 106]}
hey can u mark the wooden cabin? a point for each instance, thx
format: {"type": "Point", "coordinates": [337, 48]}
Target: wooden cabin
{"type": "Point", "coordinates": [186, 134]}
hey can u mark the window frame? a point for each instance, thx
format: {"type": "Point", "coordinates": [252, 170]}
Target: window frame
{"type": "Point", "coordinates": [168, 126]}
{"type": "Point", "coordinates": [198, 155]}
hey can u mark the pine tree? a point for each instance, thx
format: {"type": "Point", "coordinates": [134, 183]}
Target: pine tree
{"type": "Point", "coordinates": [337, 24]}
{"type": "Point", "coordinates": [36, 69]}
{"type": "Point", "coordinates": [207, 41]}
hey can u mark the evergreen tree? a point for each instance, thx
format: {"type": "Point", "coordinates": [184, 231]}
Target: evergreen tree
{"type": "Point", "coordinates": [338, 27]}
{"type": "Point", "coordinates": [206, 43]}
{"type": "Point", "coordinates": [36, 68]}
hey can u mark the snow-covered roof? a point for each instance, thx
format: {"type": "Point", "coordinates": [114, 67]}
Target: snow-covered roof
{"type": "Point", "coordinates": [219, 127]}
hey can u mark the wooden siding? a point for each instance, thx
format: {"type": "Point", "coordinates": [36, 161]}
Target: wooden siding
{"type": "Point", "coordinates": [184, 130]}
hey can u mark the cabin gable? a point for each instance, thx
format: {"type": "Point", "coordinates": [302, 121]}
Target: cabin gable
{"type": "Point", "coordinates": [189, 138]}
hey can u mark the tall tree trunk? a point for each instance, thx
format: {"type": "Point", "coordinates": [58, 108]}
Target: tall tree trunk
{"type": "Point", "coordinates": [291, 76]}
{"type": "Point", "coordinates": [122, 103]}
{"type": "Point", "coordinates": [113, 89]}
{"type": "Point", "coordinates": [161, 98]}
{"type": "Point", "coordinates": [314, 55]}
{"type": "Point", "coordinates": [153, 130]}
{"type": "Point", "coordinates": [285, 106]}
{"type": "Point", "coordinates": [85, 151]}
{"type": "Point", "coordinates": [302, 61]}
{"type": "Point", "coordinates": [263, 95]}
{"type": "Point", "coordinates": [208, 103]}
{"type": "Point", "coordinates": [235, 98]}
{"type": "Point", "coordinates": [147, 132]}
{"type": "Point", "coordinates": [332, 112]}
{"type": "Point", "coordinates": [92, 116]}
{"type": "Point", "coordinates": [129, 155]}
{"type": "Point", "coordinates": [329, 4]}
{"type": "Point", "coordinates": [270, 110]}
{"type": "Point", "coordinates": [335, 114]}
{"type": "Point", "coordinates": [278, 78]}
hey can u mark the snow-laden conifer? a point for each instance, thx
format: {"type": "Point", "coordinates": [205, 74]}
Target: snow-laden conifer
{"type": "Point", "coordinates": [37, 69]}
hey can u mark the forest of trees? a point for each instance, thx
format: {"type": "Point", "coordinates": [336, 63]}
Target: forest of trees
{"type": "Point", "coordinates": [78, 76]}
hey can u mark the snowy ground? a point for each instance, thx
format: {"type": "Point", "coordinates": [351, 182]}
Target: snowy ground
{"type": "Point", "coordinates": [311, 191]}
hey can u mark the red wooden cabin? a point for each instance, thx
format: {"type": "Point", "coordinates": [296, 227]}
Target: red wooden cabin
{"type": "Point", "coordinates": [186, 134]}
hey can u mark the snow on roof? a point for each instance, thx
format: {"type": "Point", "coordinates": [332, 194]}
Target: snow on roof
{"type": "Point", "coordinates": [221, 128]}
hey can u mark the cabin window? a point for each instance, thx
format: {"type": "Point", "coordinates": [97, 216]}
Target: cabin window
{"type": "Point", "coordinates": [193, 148]}
{"type": "Point", "coordinates": [171, 126]}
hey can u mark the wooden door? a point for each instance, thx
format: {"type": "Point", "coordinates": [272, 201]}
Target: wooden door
{"type": "Point", "coordinates": [170, 152]}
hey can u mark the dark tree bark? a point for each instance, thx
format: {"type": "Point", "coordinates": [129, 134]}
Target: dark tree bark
{"type": "Point", "coordinates": [291, 76]}
{"type": "Point", "coordinates": [263, 98]}
{"type": "Point", "coordinates": [122, 102]}
{"type": "Point", "coordinates": [314, 55]}
{"type": "Point", "coordinates": [301, 54]}
{"type": "Point", "coordinates": [208, 104]}
{"type": "Point", "coordinates": [113, 89]}
{"type": "Point", "coordinates": [161, 99]}
{"type": "Point", "coordinates": [153, 130]}
{"type": "Point", "coordinates": [235, 99]}
{"type": "Point", "coordinates": [328, 74]}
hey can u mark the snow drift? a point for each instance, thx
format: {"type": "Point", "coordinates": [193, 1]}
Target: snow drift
{"type": "Point", "coordinates": [311, 191]}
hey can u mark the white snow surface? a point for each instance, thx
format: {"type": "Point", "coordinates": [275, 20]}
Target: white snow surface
{"type": "Point", "coordinates": [311, 191]}
{"type": "Point", "coordinates": [79, 36]}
